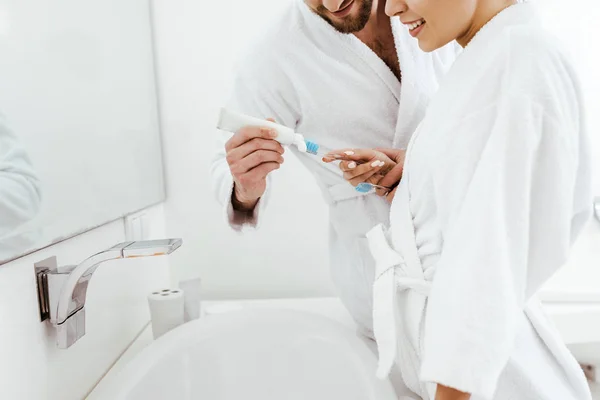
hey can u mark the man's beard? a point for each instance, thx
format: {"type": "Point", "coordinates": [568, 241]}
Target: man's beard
{"type": "Point", "coordinates": [350, 23]}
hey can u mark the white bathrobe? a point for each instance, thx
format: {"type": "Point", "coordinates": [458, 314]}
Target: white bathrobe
{"type": "Point", "coordinates": [19, 187]}
{"type": "Point", "coordinates": [497, 187]}
{"type": "Point", "coordinates": [338, 92]}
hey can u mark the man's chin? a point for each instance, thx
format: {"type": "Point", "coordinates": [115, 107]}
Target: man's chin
{"type": "Point", "coordinates": [353, 22]}
{"type": "Point", "coordinates": [348, 24]}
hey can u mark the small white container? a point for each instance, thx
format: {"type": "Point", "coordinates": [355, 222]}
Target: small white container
{"type": "Point", "coordinates": [166, 310]}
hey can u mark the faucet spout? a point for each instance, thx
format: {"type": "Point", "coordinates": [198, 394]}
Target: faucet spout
{"type": "Point", "coordinates": [62, 291]}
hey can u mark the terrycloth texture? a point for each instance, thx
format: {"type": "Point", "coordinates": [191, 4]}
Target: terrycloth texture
{"type": "Point", "coordinates": [332, 88]}
{"type": "Point", "coordinates": [19, 187]}
{"type": "Point", "coordinates": [400, 280]}
{"type": "Point", "coordinates": [498, 177]}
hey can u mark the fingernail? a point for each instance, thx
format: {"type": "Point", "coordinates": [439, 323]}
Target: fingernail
{"type": "Point", "coordinates": [352, 165]}
{"type": "Point", "coordinates": [381, 163]}
{"type": "Point", "coordinates": [376, 164]}
{"type": "Point", "coordinates": [349, 153]}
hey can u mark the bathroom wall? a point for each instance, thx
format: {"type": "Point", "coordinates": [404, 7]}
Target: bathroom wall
{"type": "Point", "coordinates": [31, 367]}
{"type": "Point", "coordinates": [582, 273]}
{"type": "Point", "coordinates": [196, 45]}
{"type": "Point", "coordinates": [581, 276]}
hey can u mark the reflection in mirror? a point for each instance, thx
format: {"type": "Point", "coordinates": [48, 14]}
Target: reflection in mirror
{"type": "Point", "coordinates": [20, 194]}
{"type": "Point", "coordinates": [80, 119]}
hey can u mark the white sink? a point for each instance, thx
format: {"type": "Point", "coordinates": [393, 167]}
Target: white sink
{"type": "Point", "coordinates": [253, 354]}
{"type": "Point", "coordinates": [239, 349]}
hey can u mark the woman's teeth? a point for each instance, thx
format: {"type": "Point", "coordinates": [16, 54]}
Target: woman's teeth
{"type": "Point", "coordinates": [415, 25]}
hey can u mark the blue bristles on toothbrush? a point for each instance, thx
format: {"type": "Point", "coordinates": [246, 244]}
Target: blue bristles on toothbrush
{"type": "Point", "coordinates": [366, 187]}
{"type": "Point", "coordinates": [316, 149]}
{"type": "Point", "coordinates": [312, 147]}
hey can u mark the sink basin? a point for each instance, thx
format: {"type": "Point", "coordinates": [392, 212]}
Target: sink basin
{"type": "Point", "coordinates": [252, 354]}
{"type": "Point", "coordinates": [284, 345]}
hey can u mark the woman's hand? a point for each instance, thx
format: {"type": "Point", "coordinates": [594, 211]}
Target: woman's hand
{"type": "Point", "coordinates": [361, 165]}
{"type": "Point", "coordinates": [446, 393]}
{"type": "Point", "coordinates": [377, 166]}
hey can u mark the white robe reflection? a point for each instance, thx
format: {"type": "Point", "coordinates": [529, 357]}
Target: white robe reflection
{"type": "Point", "coordinates": [20, 194]}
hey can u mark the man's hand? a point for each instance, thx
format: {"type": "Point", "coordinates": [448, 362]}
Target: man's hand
{"type": "Point", "coordinates": [252, 153]}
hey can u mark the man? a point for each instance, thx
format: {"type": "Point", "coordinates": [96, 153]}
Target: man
{"type": "Point", "coordinates": [350, 76]}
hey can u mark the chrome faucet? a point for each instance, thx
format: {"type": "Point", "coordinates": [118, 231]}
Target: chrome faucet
{"type": "Point", "coordinates": [62, 290]}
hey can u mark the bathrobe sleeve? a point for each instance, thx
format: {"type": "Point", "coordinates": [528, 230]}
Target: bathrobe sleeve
{"type": "Point", "coordinates": [508, 228]}
{"type": "Point", "coordinates": [19, 187]}
{"type": "Point", "coordinates": [261, 90]}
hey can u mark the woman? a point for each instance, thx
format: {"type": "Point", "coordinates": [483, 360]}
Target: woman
{"type": "Point", "coordinates": [496, 188]}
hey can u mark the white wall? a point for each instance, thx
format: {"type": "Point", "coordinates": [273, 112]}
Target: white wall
{"type": "Point", "coordinates": [583, 270]}
{"type": "Point", "coordinates": [196, 44]}
{"type": "Point", "coordinates": [31, 367]}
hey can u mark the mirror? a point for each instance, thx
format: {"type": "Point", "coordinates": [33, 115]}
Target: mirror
{"type": "Point", "coordinates": [79, 129]}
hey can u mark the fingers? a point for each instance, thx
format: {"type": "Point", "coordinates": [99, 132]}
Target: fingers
{"type": "Point", "coordinates": [395, 154]}
{"type": "Point", "coordinates": [253, 160]}
{"type": "Point", "coordinates": [259, 173]}
{"type": "Point", "coordinates": [390, 196]}
{"type": "Point", "coordinates": [368, 165]}
{"type": "Point", "coordinates": [252, 153]}
{"type": "Point", "coordinates": [249, 148]}
{"type": "Point", "coordinates": [256, 177]}
{"type": "Point", "coordinates": [362, 178]}
{"type": "Point", "coordinates": [354, 168]}
{"type": "Point", "coordinates": [248, 133]}
{"type": "Point", "coordinates": [375, 178]}
{"type": "Point", "coordinates": [357, 155]}
{"type": "Point", "coordinates": [256, 144]}
{"type": "Point", "coordinates": [393, 176]}
{"type": "Point", "coordinates": [382, 192]}
{"type": "Point", "coordinates": [360, 173]}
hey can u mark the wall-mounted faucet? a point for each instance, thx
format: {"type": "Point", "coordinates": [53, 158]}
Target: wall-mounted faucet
{"type": "Point", "coordinates": [62, 290]}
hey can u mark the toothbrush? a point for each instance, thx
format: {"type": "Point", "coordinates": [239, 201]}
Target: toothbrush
{"type": "Point", "coordinates": [230, 121]}
{"type": "Point", "coordinates": [316, 149]}
{"type": "Point", "coordinates": [366, 187]}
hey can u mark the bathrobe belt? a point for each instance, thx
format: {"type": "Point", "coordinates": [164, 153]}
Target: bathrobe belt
{"type": "Point", "coordinates": [399, 296]}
